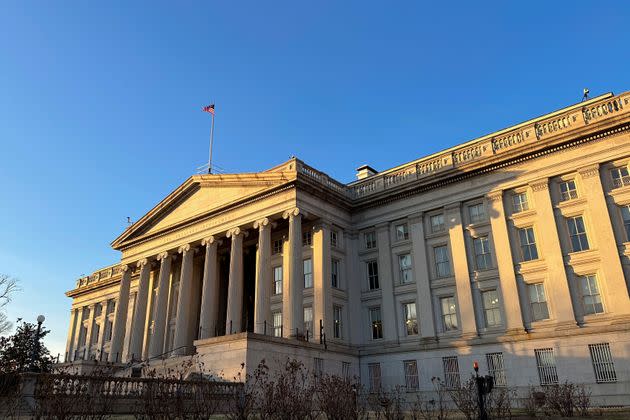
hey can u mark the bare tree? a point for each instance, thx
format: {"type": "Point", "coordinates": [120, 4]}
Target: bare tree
{"type": "Point", "coordinates": [8, 286]}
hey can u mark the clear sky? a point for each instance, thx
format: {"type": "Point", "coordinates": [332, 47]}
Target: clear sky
{"type": "Point", "coordinates": [100, 103]}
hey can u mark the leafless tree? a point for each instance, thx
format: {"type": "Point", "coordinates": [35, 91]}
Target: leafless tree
{"type": "Point", "coordinates": [339, 398]}
{"type": "Point", "coordinates": [431, 408]}
{"type": "Point", "coordinates": [8, 286]}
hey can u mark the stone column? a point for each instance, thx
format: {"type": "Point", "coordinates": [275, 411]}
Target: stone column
{"type": "Point", "coordinates": [140, 310]}
{"type": "Point", "coordinates": [322, 299]}
{"type": "Point", "coordinates": [184, 303]}
{"type": "Point", "coordinates": [551, 251]}
{"type": "Point", "coordinates": [292, 308]}
{"type": "Point", "coordinates": [424, 304]}
{"type": "Point", "coordinates": [465, 302]}
{"type": "Point", "coordinates": [90, 328]}
{"type": "Point", "coordinates": [262, 312]}
{"type": "Point", "coordinates": [70, 340]}
{"type": "Point", "coordinates": [118, 335]}
{"type": "Point", "coordinates": [235, 288]}
{"type": "Point", "coordinates": [209, 314]}
{"type": "Point", "coordinates": [507, 278]}
{"type": "Point", "coordinates": [77, 333]}
{"type": "Point", "coordinates": [616, 299]}
{"type": "Point", "coordinates": [103, 322]}
{"type": "Point", "coordinates": [386, 279]}
{"type": "Point", "coordinates": [156, 346]}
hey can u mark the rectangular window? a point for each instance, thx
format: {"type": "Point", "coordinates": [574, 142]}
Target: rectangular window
{"type": "Point", "coordinates": [318, 367]}
{"type": "Point", "coordinates": [449, 313]}
{"type": "Point", "coordinates": [577, 234]}
{"type": "Point", "coordinates": [277, 280]}
{"type": "Point", "coordinates": [402, 232]}
{"type": "Point", "coordinates": [307, 238]}
{"type": "Point", "coordinates": [277, 246]}
{"type": "Point", "coordinates": [374, 372]}
{"type": "Point", "coordinates": [308, 273]}
{"type": "Point", "coordinates": [442, 263]}
{"type": "Point", "coordinates": [411, 320]}
{"type": "Point", "coordinates": [528, 244]}
{"type": "Point", "coordinates": [404, 262]}
{"type": "Point", "coordinates": [372, 274]}
{"type": "Point", "coordinates": [370, 240]}
{"type": "Point", "coordinates": [376, 323]}
{"type": "Point", "coordinates": [591, 299]}
{"type": "Point", "coordinates": [602, 363]}
{"type": "Point", "coordinates": [625, 215]}
{"type": "Point", "coordinates": [437, 223]}
{"type": "Point", "coordinates": [538, 301]}
{"type": "Point", "coordinates": [451, 371]}
{"type": "Point", "coordinates": [477, 213]}
{"type": "Point", "coordinates": [346, 370]}
{"type": "Point", "coordinates": [491, 309]}
{"type": "Point", "coordinates": [337, 322]}
{"type": "Point", "coordinates": [620, 176]}
{"type": "Point", "coordinates": [334, 238]}
{"type": "Point", "coordinates": [496, 368]}
{"type": "Point", "coordinates": [568, 190]}
{"type": "Point", "coordinates": [546, 364]}
{"type": "Point", "coordinates": [483, 257]}
{"type": "Point", "coordinates": [411, 375]}
{"type": "Point", "coordinates": [277, 324]}
{"type": "Point", "coordinates": [308, 320]}
{"type": "Point", "coordinates": [334, 273]}
{"type": "Point", "coordinates": [520, 203]}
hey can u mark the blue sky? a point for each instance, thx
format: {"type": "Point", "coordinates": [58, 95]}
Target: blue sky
{"type": "Point", "coordinates": [100, 103]}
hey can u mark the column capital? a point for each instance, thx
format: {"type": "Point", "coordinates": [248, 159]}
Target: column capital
{"type": "Point", "coordinates": [211, 240]}
{"type": "Point", "coordinates": [322, 223]}
{"type": "Point", "coordinates": [124, 268]}
{"type": "Point", "coordinates": [540, 184]}
{"type": "Point", "coordinates": [236, 232]}
{"type": "Point", "coordinates": [495, 196]}
{"type": "Point", "coordinates": [294, 212]}
{"type": "Point", "coordinates": [261, 223]}
{"type": "Point", "coordinates": [185, 249]}
{"type": "Point", "coordinates": [589, 171]}
{"type": "Point", "coordinates": [163, 255]}
{"type": "Point", "coordinates": [142, 262]}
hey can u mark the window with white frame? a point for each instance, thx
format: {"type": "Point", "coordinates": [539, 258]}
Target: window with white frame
{"type": "Point", "coordinates": [449, 313]}
{"type": "Point", "coordinates": [372, 274]}
{"type": "Point", "coordinates": [527, 239]}
{"type": "Point", "coordinates": [496, 368]}
{"type": "Point", "coordinates": [404, 263]}
{"type": "Point", "coordinates": [483, 257]}
{"type": "Point", "coordinates": [334, 238]}
{"type": "Point", "coordinates": [625, 216]}
{"type": "Point", "coordinates": [308, 320]}
{"type": "Point", "coordinates": [519, 202]}
{"type": "Point", "coordinates": [620, 176]}
{"type": "Point", "coordinates": [477, 213]}
{"type": "Point", "coordinates": [277, 280]}
{"type": "Point", "coordinates": [437, 223]}
{"type": "Point", "coordinates": [308, 273]}
{"type": "Point", "coordinates": [602, 363]}
{"type": "Point", "coordinates": [337, 322]}
{"type": "Point", "coordinates": [568, 191]}
{"type": "Point", "coordinates": [376, 324]}
{"type": "Point", "coordinates": [546, 364]}
{"type": "Point", "coordinates": [591, 299]}
{"type": "Point", "coordinates": [411, 320]}
{"type": "Point", "coordinates": [451, 372]}
{"type": "Point", "coordinates": [442, 263]}
{"type": "Point", "coordinates": [277, 246]}
{"type": "Point", "coordinates": [307, 238]}
{"type": "Point", "coordinates": [402, 232]}
{"type": "Point", "coordinates": [538, 301]}
{"type": "Point", "coordinates": [491, 308]}
{"type": "Point", "coordinates": [411, 375]}
{"type": "Point", "coordinates": [374, 373]}
{"type": "Point", "coordinates": [346, 370]}
{"type": "Point", "coordinates": [276, 318]}
{"type": "Point", "coordinates": [577, 234]}
{"type": "Point", "coordinates": [334, 273]}
{"type": "Point", "coordinates": [370, 240]}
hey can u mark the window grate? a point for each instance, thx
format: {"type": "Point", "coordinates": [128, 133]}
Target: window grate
{"type": "Point", "coordinates": [496, 368]}
{"type": "Point", "coordinates": [411, 375]}
{"type": "Point", "coordinates": [451, 372]}
{"type": "Point", "coordinates": [374, 371]}
{"type": "Point", "coordinates": [602, 363]}
{"type": "Point", "coordinates": [546, 364]}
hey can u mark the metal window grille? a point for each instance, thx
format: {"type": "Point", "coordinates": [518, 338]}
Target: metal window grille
{"type": "Point", "coordinates": [602, 363]}
{"type": "Point", "coordinates": [442, 263]}
{"type": "Point", "coordinates": [411, 320]}
{"type": "Point", "coordinates": [437, 223]}
{"type": "Point", "coordinates": [520, 202]}
{"type": "Point", "coordinates": [568, 191]}
{"type": "Point", "coordinates": [546, 364]}
{"type": "Point", "coordinates": [620, 177]}
{"type": "Point", "coordinates": [404, 261]}
{"type": "Point", "coordinates": [411, 375]}
{"type": "Point", "coordinates": [477, 213]}
{"type": "Point", "coordinates": [451, 371]}
{"type": "Point", "coordinates": [308, 320]}
{"type": "Point", "coordinates": [528, 244]}
{"type": "Point", "coordinates": [346, 369]}
{"type": "Point", "coordinates": [277, 324]}
{"type": "Point", "coordinates": [318, 367]}
{"type": "Point", "coordinates": [496, 368]}
{"type": "Point", "coordinates": [372, 272]}
{"type": "Point", "coordinates": [370, 240]}
{"type": "Point", "coordinates": [577, 234]}
{"type": "Point", "coordinates": [308, 273]}
{"type": "Point", "coordinates": [374, 372]}
{"type": "Point", "coordinates": [483, 257]}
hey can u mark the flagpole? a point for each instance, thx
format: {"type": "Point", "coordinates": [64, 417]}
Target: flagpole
{"type": "Point", "coordinates": [211, 141]}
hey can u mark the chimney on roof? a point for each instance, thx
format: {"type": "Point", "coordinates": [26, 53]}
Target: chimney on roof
{"type": "Point", "coordinates": [365, 171]}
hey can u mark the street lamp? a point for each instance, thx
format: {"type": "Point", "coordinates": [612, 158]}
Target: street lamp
{"type": "Point", "coordinates": [40, 321]}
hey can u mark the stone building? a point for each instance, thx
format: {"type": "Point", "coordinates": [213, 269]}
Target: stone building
{"type": "Point", "coordinates": [511, 249]}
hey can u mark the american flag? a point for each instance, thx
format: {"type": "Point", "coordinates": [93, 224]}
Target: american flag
{"type": "Point", "coordinates": [209, 109]}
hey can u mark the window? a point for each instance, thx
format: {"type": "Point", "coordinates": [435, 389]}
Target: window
{"type": "Point", "coordinates": [620, 176]}
{"type": "Point", "coordinates": [483, 258]}
{"type": "Point", "coordinates": [334, 238]}
{"type": "Point", "coordinates": [477, 213]}
{"type": "Point", "coordinates": [520, 203]}
{"type": "Point", "coordinates": [370, 240]}
{"type": "Point", "coordinates": [307, 238]}
{"type": "Point", "coordinates": [625, 215]}
{"type": "Point", "coordinates": [442, 264]}
{"type": "Point", "coordinates": [277, 246]}
{"type": "Point", "coordinates": [318, 367]}
{"type": "Point", "coordinates": [411, 375]}
{"type": "Point", "coordinates": [404, 262]}
{"type": "Point", "coordinates": [308, 273]}
{"type": "Point", "coordinates": [591, 300]}
{"type": "Point", "coordinates": [277, 280]}
{"type": "Point", "coordinates": [491, 309]}
{"type": "Point", "coordinates": [568, 190]}
{"type": "Point", "coordinates": [411, 320]}
{"type": "Point", "coordinates": [374, 373]}
{"type": "Point", "coordinates": [546, 364]}
{"type": "Point", "coordinates": [376, 323]}
{"type": "Point", "coordinates": [538, 301]}
{"type": "Point", "coordinates": [334, 273]}
{"type": "Point", "coordinates": [372, 274]}
{"type": "Point", "coordinates": [437, 223]}
{"type": "Point", "coordinates": [449, 313]}
{"type": "Point", "coordinates": [528, 244]}
{"type": "Point", "coordinates": [496, 368]}
{"type": "Point", "coordinates": [308, 320]}
{"type": "Point", "coordinates": [577, 234]}
{"type": "Point", "coordinates": [602, 363]}
{"type": "Point", "coordinates": [346, 370]}
{"type": "Point", "coordinates": [277, 324]}
{"type": "Point", "coordinates": [451, 371]}
{"type": "Point", "coordinates": [337, 322]}
{"type": "Point", "coordinates": [402, 232]}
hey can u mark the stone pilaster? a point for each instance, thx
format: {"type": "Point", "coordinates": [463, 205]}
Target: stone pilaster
{"type": "Point", "coordinates": [292, 308]}
{"type": "Point", "coordinates": [122, 304]}
{"type": "Point", "coordinates": [424, 305]}
{"type": "Point", "coordinates": [182, 336]}
{"type": "Point", "coordinates": [235, 288]}
{"type": "Point", "coordinates": [386, 280]}
{"type": "Point", "coordinates": [140, 310]}
{"type": "Point", "coordinates": [77, 334]}
{"type": "Point", "coordinates": [262, 312]}
{"type": "Point", "coordinates": [156, 346]}
{"type": "Point", "coordinates": [70, 340]}
{"type": "Point", "coordinates": [209, 313]}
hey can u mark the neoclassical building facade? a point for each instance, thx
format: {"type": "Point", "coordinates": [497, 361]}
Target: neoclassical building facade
{"type": "Point", "coordinates": [511, 250]}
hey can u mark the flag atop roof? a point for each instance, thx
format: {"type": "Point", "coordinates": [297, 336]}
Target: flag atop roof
{"type": "Point", "coordinates": [209, 109]}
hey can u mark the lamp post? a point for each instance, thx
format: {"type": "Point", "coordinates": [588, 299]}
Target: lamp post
{"type": "Point", "coordinates": [40, 321]}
